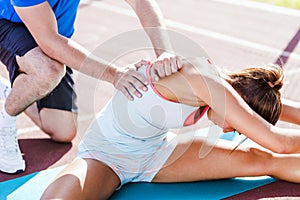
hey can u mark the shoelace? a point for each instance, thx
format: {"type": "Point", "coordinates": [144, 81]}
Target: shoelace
{"type": "Point", "coordinates": [8, 141]}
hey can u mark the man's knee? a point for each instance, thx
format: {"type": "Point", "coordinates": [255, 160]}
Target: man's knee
{"type": "Point", "coordinates": [62, 134]}
{"type": "Point", "coordinates": [60, 125]}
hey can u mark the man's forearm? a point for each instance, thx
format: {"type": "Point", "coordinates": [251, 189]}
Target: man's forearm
{"type": "Point", "coordinates": [72, 54]}
{"type": "Point", "coordinates": [151, 19]}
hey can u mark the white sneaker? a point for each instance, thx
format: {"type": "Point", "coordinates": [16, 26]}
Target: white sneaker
{"type": "Point", "coordinates": [4, 88]}
{"type": "Point", "coordinates": [11, 160]}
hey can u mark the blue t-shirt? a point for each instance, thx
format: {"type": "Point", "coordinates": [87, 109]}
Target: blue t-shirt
{"type": "Point", "coordinates": [64, 10]}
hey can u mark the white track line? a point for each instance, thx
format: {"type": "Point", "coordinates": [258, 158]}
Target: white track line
{"type": "Point", "coordinates": [197, 30]}
{"type": "Point", "coordinates": [262, 6]}
{"type": "Point", "coordinates": [292, 72]}
{"type": "Point", "coordinates": [27, 130]}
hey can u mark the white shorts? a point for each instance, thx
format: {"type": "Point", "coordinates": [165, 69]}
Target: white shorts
{"type": "Point", "coordinates": [132, 159]}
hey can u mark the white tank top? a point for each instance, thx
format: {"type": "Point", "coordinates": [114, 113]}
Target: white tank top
{"type": "Point", "coordinates": [150, 116]}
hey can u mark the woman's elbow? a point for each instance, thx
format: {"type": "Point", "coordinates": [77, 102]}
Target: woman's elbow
{"type": "Point", "coordinates": [280, 149]}
{"type": "Point", "coordinates": [283, 147]}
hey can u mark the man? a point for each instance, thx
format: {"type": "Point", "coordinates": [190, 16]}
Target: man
{"type": "Point", "coordinates": [39, 54]}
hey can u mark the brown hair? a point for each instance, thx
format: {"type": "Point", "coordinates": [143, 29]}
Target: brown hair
{"type": "Point", "coordinates": [259, 87]}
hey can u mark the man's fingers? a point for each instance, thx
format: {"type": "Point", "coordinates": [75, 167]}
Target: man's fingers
{"type": "Point", "coordinates": [155, 77]}
{"type": "Point", "coordinates": [126, 93]}
{"type": "Point", "coordinates": [167, 66]}
{"type": "Point", "coordinates": [129, 82]}
{"type": "Point", "coordinates": [159, 68]}
{"type": "Point", "coordinates": [141, 63]}
{"type": "Point", "coordinates": [132, 90]}
{"type": "Point", "coordinates": [174, 67]}
{"type": "Point", "coordinates": [178, 62]}
{"type": "Point", "coordinates": [133, 82]}
{"type": "Point", "coordinates": [129, 89]}
{"type": "Point", "coordinates": [139, 80]}
{"type": "Point", "coordinates": [153, 73]}
{"type": "Point", "coordinates": [136, 83]}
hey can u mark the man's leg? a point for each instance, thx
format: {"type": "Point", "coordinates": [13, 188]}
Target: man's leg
{"type": "Point", "coordinates": [60, 125]}
{"type": "Point", "coordinates": [38, 76]}
{"type": "Point", "coordinates": [56, 114]}
{"type": "Point", "coordinates": [33, 77]}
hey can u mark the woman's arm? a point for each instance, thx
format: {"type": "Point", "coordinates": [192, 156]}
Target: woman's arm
{"type": "Point", "coordinates": [190, 86]}
{"type": "Point", "coordinates": [290, 111]}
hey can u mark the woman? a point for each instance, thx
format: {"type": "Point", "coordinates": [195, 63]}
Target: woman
{"type": "Point", "coordinates": [130, 140]}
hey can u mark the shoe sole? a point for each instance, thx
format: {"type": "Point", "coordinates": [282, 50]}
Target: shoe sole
{"type": "Point", "coordinates": [13, 169]}
{"type": "Point", "coordinates": [19, 171]}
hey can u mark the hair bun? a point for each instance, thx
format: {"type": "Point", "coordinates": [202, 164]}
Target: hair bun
{"type": "Point", "coordinates": [275, 76]}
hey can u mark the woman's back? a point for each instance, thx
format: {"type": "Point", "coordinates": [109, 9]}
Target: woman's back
{"type": "Point", "coordinates": [148, 116]}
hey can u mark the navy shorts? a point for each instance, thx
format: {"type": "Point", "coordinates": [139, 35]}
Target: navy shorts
{"type": "Point", "coordinates": [15, 39]}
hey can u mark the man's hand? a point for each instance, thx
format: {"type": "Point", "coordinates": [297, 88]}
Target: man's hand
{"type": "Point", "coordinates": [165, 65]}
{"type": "Point", "coordinates": [128, 80]}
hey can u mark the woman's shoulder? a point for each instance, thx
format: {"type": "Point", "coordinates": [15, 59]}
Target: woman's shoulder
{"type": "Point", "coordinates": [202, 66]}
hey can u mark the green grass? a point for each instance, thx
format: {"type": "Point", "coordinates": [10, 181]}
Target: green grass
{"type": "Point", "coordinates": [284, 3]}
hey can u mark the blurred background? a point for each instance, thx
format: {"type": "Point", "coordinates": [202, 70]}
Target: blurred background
{"type": "Point", "coordinates": [234, 33]}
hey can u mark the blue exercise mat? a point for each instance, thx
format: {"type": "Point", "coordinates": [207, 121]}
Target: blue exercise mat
{"type": "Point", "coordinates": [10, 186]}
{"type": "Point", "coordinates": [217, 189]}
{"type": "Point", "coordinates": [31, 187]}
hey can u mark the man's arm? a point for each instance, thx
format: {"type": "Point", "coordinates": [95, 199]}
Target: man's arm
{"type": "Point", "coordinates": [41, 22]}
{"type": "Point", "coordinates": [152, 20]}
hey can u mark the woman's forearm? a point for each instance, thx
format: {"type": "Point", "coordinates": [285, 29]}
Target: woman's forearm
{"type": "Point", "coordinates": [249, 123]}
{"type": "Point", "coordinates": [290, 111]}
{"type": "Point", "coordinates": [230, 106]}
